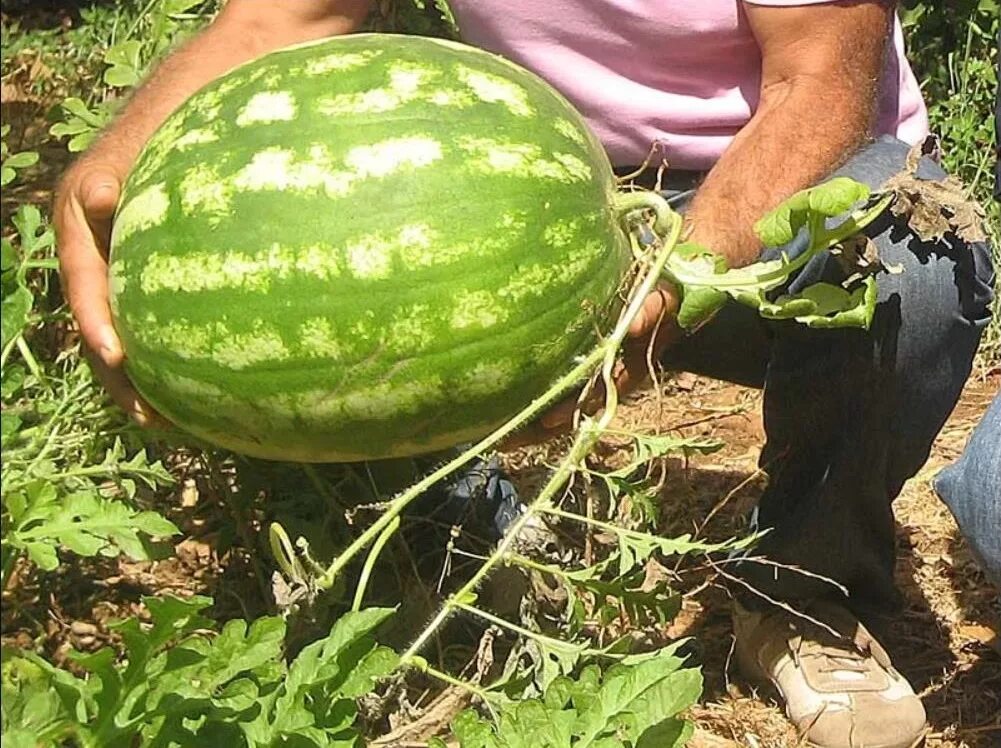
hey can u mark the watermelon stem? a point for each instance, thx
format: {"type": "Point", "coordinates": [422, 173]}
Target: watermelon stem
{"type": "Point", "coordinates": [630, 202]}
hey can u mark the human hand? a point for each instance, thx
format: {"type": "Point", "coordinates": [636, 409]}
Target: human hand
{"type": "Point", "coordinates": [84, 207]}
{"type": "Point", "coordinates": [651, 331]}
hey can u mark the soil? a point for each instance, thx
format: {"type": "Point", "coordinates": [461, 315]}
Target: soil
{"type": "Point", "coordinates": [945, 639]}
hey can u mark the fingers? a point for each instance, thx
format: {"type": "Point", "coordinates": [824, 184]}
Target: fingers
{"type": "Point", "coordinates": [660, 304]}
{"type": "Point", "coordinates": [651, 311]}
{"type": "Point", "coordinates": [100, 191]}
{"type": "Point", "coordinates": [118, 386]}
{"type": "Point", "coordinates": [81, 238]}
{"type": "Point", "coordinates": [83, 214]}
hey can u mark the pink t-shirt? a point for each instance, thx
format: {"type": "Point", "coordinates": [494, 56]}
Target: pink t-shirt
{"type": "Point", "coordinates": [684, 73]}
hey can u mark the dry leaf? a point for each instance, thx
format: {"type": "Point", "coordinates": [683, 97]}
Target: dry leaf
{"type": "Point", "coordinates": [934, 208]}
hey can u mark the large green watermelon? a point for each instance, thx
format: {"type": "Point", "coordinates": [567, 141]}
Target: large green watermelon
{"type": "Point", "coordinates": [364, 247]}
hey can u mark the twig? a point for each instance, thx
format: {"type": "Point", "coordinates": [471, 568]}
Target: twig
{"type": "Point", "coordinates": [770, 562]}
{"type": "Point", "coordinates": [777, 603]}
{"type": "Point", "coordinates": [726, 499]}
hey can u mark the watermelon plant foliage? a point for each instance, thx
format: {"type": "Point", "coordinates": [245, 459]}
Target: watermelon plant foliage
{"type": "Point", "coordinates": [72, 472]}
{"type": "Point", "coordinates": [635, 702]}
{"type": "Point", "coordinates": [182, 685]}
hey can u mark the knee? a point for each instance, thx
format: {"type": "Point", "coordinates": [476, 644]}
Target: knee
{"type": "Point", "coordinates": [875, 162]}
{"type": "Point", "coordinates": [946, 281]}
{"type": "Point", "coordinates": [971, 488]}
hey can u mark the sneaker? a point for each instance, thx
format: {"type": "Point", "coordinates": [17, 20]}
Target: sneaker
{"type": "Point", "coordinates": [838, 685]}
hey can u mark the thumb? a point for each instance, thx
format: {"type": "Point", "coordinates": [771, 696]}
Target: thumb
{"type": "Point", "coordinates": [99, 192]}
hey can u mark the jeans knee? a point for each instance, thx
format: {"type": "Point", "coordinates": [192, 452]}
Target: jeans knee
{"type": "Point", "coordinates": [877, 161]}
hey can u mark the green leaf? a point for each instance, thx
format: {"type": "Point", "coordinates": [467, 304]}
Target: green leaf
{"type": "Point", "coordinates": [22, 160]}
{"type": "Point", "coordinates": [12, 381]}
{"type": "Point", "coordinates": [327, 676]}
{"type": "Point", "coordinates": [780, 226]}
{"type": "Point", "coordinates": [177, 7]}
{"type": "Point", "coordinates": [473, 732]}
{"type": "Point", "coordinates": [634, 698]}
{"type": "Point", "coordinates": [14, 311]}
{"type": "Point", "coordinates": [827, 306]}
{"type": "Point", "coordinates": [124, 59]}
{"type": "Point", "coordinates": [832, 198]}
{"type": "Point", "coordinates": [86, 523]}
{"type": "Point", "coordinates": [10, 424]}
{"type": "Point", "coordinates": [635, 703]}
{"type": "Point", "coordinates": [705, 280]}
{"type": "Point", "coordinates": [837, 196]}
{"type": "Point", "coordinates": [698, 306]}
{"type": "Point", "coordinates": [33, 712]}
{"type": "Point", "coordinates": [34, 236]}
{"type": "Point", "coordinates": [652, 446]}
{"type": "Point", "coordinates": [77, 108]}
{"type": "Point", "coordinates": [81, 124]}
{"type": "Point", "coordinates": [671, 733]}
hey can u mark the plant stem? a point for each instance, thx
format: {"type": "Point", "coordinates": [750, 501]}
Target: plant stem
{"type": "Point", "coordinates": [587, 434]}
{"type": "Point", "coordinates": [526, 563]}
{"type": "Point", "coordinates": [521, 630]}
{"type": "Point", "coordinates": [373, 555]}
{"type": "Point", "coordinates": [29, 360]}
{"type": "Point", "coordinates": [419, 663]}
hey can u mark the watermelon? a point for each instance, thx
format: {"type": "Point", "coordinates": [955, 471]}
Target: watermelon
{"type": "Point", "coordinates": [364, 247]}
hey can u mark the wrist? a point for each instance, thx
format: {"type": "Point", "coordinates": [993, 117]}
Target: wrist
{"type": "Point", "coordinates": [735, 243]}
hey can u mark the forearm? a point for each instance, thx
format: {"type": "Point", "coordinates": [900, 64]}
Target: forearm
{"type": "Point", "coordinates": [239, 34]}
{"type": "Point", "coordinates": [793, 141]}
{"type": "Point", "coordinates": [821, 66]}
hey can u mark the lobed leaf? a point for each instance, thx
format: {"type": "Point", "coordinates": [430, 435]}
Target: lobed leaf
{"type": "Point", "coordinates": [84, 522]}
{"type": "Point", "coordinates": [636, 702]}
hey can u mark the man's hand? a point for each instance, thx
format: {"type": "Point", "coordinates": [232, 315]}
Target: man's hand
{"type": "Point", "coordinates": [83, 210]}
{"type": "Point", "coordinates": [651, 331]}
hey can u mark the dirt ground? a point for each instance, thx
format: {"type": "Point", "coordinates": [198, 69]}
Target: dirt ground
{"type": "Point", "coordinates": [945, 639]}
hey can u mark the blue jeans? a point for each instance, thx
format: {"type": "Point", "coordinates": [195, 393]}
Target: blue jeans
{"type": "Point", "coordinates": [850, 415]}
{"type": "Point", "coordinates": [971, 487]}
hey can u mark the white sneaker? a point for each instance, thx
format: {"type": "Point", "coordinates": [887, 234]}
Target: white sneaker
{"type": "Point", "coordinates": [840, 691]}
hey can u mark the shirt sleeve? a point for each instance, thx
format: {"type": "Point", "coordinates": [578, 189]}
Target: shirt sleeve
{"type": "Point", "coordinates": [791, 3]}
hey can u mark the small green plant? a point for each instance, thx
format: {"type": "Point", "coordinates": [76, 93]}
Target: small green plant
{"type": "Point", "coordinates": [11, 162]}
{"type": "Point", "coordinates": [635, 702]}
{"type": "Point", "coordinates": [127, 58]}
{"type": "Point", "coordinates": [184, 685]}
{"type": "Point", "coordinates": [68, 480]}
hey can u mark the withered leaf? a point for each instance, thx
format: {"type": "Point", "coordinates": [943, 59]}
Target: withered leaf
{"type": "Point", "coordinates": [858, 257]}
{"type": "Point", "coordinates": [934, 208]}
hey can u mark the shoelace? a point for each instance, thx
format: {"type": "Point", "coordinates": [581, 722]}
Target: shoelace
{"type": "Point", "coordinates": [834, 658]}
